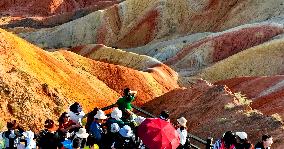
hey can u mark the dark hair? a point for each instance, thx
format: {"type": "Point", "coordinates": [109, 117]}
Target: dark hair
{"type": "Point", "coordinates": [91, 141]}
{"type": "Point", "coordinates": [229, 139]}
{"type": "Point", "coordinates": [74, 107]}
{"type": "Point", "coordinates": [244, 144]}
{"type": "Point", "coordinates": [126, 91]}
{"type": "Point", "coordinates": [61, 118]}
{"type": "Point", "coordinates": [182, 128]}
{"type": "Point", "coordinates": [243, 140]}
{"type": "Point", "coordinates": [76, 143]}
{"type": "Point", "coordinates": [247, 144]}
{"type": "Point", "coordinates": [90, 118]}
{"type": "Point", "coordinates": [165, 114]}
{"type": "Point", "coordinates": [12, 124]}
{"type": "Point", "coordinates": [48, 123]}
{"type": "Point", "coordinates": [265, 137]}
{"type": "Point", "coordinates": [128, 98]}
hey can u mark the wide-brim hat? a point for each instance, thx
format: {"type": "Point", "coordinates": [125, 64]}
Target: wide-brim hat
{"type": "Point", "coordinates": [242, 135]}
{"type": "Point", "coordinates": [100, 115]}
{"type": "Point", "coordinates": [182, 121]}
{"type": "Point", "coordinates": [82, 133]}
{"type": "Point", "coordinates": [114, 127]}
{"type": "Point", "coordinates": [116, 113]}
{"type": "Point", "coordinates": [126, 131]}
{"type": "Point", "coordinates": [139, 119]}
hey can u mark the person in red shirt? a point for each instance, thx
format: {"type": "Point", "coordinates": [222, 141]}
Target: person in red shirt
{"type": "Point", "coordinates": [228, 141]}
{"type": "Point", "coordinates": [67, 125]}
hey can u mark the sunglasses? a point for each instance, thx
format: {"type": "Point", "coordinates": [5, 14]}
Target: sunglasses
{"type": "Point", "coordinates": [67, 116]}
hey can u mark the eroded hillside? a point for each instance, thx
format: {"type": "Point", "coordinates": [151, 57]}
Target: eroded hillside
{"type": "Point", "coordinates": [33, 80]}
{"type": "Point", "coordinates": [135, 23]}
{"type": "Point", "coordinates": [213, 109]}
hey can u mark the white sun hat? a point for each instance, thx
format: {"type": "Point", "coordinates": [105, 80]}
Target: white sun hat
{"type": "Point", "coordinates": [139, 119]}
{"type": "Point", "coordinates": [126, 131]}
{"type": "Point", "coordinates": [116, 113]}
{"type": "Point", "coordinates": [100, 115]}
{"type": "Point", "coordinates": [82, 133]}
{"type": "Point", "coordinates": [242, 135]}
{"type": "Point", "coordinates": [114, 127]}
{"type": "Point", "coordinates": [182, 121]}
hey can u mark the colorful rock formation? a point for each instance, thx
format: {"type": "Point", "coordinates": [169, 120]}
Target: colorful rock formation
{"type": "Point", "coordinates": [266, 93]}
{"type": "Point", "coordinates": [49, 7]}
{"type": "Point", "coordinates": [212, 110]}
{"type": "Point", "coordinates": [36, 84]}
{"type": "Point", "coordinates": [23, 16]}
{"type": "Point", "coordinates": [262, 60]}
{"type": "Point", "coordinates": [135, 23]}
{"type": "Point", "coordinates": [116, 56]}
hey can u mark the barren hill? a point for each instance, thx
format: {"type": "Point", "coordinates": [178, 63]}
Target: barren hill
{"type": "Point", "coordinates": [213, 109]}
{"type": "Point", "coordinates": [135, 23]}
{"type": "Point", "coordinates": [265, 92]}
{"type": "Point", "coordinates": [48, 7]}
{"type": "Point", "coordinates": [36, 84]}
{"type": "Point", "coordinates": [262, 60]}
{"type": "Point", "coordinates": [25, 16]}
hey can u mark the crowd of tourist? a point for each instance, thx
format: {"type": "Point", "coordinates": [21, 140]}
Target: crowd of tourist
{"type": "Point", "coordinates": [239, 140]}
{"type": "Point", "coordinates": [115, 131]}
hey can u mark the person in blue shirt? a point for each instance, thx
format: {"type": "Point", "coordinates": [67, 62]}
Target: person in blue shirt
{"type": "Point", "coordinates": [96, 130]}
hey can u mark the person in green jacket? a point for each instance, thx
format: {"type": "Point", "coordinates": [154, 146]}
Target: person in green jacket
{"type": "Point", "coordinates": [124, 103]}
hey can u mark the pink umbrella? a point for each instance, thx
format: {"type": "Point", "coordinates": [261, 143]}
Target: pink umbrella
{"type": "Point", "coordinates": [158, 134]}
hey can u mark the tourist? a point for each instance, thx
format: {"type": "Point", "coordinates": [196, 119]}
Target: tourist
{"type": "Point", "coordinates": [96, 129]}
{"type": "Point", "coordinates": [116, 116]}
{"type": "Point", "coordinates": [82, 135]}
{"type": "Point", "coordinates": [76, 144]}
{"type": "Point", "coordinates": [228, 141]}
{"type": "Point", "coordinates": [12, 135]}
{"type": "Point", "coordinates": [266, 142]}
{"type": "Point", "coordinates": [66, 125]}
{"type": "Point", "coordinates": [124, 102]}
{"type": "Point", "coordinates": [113, 135]}
{"type": "Point", "coordinates": [242, 141]}
{"type": "Point", "coordinates": [126, 139]}
{"type": "Point", "coordinates": [76, 113]}
{"type": "Point", "coordinates": [164, 115]}
{"type": "Point", "coordinates": [182, 130]}
{"type": "Point", "coordinates": [30, 139]}
{"type": "Point", "coordinates": [49, 138]}
{"type": "Point", "coordinates": [90, 118]}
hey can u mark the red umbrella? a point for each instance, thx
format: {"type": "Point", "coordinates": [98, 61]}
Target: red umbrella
{"type": "Point", "coordinates": [158, 134]}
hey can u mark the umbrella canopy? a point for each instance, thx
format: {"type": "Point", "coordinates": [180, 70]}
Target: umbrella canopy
{"type": "Point", "coordinates": [158, 134]}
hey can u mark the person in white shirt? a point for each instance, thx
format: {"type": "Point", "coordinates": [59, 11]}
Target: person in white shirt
{"type": "Point", "coordinates": [182, 130]}
{"type": "Point", "coordinates": [76, 113]}
{"type": "Point", "coordinates": [29, 137]}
